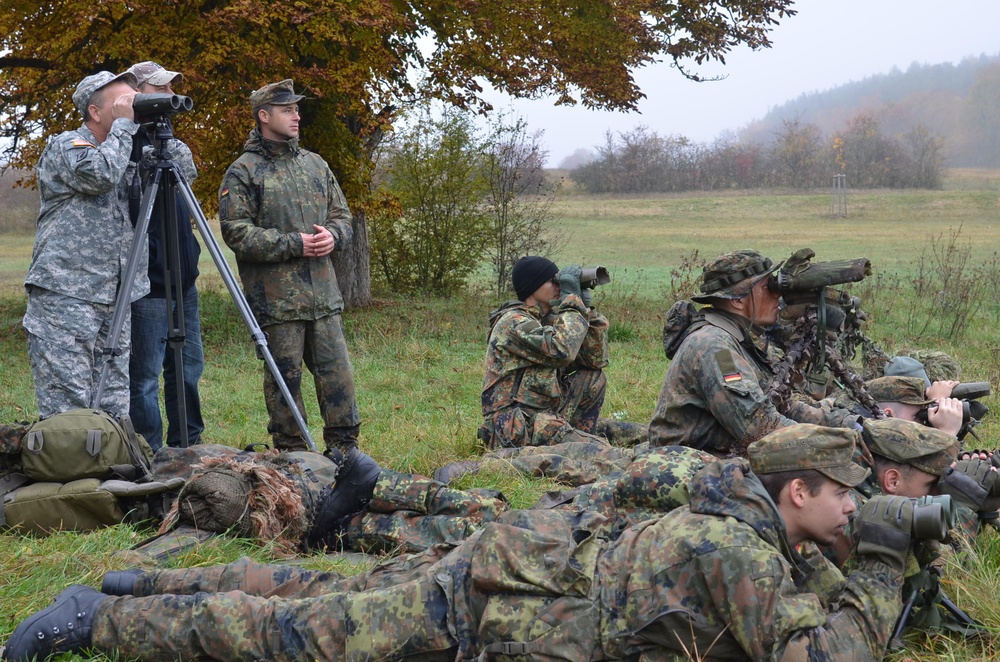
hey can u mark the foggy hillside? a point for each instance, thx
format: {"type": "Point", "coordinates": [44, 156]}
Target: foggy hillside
{"type": "Point", "coordinates": [960, 102]}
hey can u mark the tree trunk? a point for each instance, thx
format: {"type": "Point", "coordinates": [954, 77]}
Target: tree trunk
{"type": "Point", "coordinates": [353, 266]}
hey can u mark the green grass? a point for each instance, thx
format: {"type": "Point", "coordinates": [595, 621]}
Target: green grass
{"type": "Point", "coordinates": [418, 363]}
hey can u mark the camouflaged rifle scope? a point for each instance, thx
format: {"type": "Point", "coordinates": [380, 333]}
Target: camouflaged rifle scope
{"type": "Point", "coordinates": [932, 517]}
{"type": "Point", "coordinates": [591, 277]}
{"type": "Point", "coordinates": [798, 274]}
{"type": "Point", "coordinates": [155, 105]}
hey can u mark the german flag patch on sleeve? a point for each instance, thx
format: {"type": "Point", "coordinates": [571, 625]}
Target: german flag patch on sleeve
{"type": "Point", "coordinates": [727, 366]}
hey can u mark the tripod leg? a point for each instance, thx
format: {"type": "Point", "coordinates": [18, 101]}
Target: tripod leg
{"type": "Point", "coordinates": [172, 287]}
{"type": "Point", "coordinates": [123, 299]}
{"type": "Point", "coordinates": [236, 292]}
{"type": "Point", "coordinates": [904, 617]}
{"type": "Point", "coordinates": [956, 611]}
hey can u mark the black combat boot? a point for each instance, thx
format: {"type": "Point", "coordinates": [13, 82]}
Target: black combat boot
{"type": "Point", "coordinates": [64, 626]}
{"type": "Point", "coordinates": [346, 497]}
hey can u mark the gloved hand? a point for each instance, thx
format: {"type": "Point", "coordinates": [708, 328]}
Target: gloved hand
{"type": "Point", "coordinates": [569, 280]}
{"type": "Point", "coordinates": [588, 296]}
{"type": "Point", "coordinates": [884, 527]}
{"type": "Point", "coordinates": [973, 483]}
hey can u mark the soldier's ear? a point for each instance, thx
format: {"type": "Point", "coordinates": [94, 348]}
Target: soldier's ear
{"type": "Point", "coordinates": [890, 481]}
{"type": "Point", "coordinates": [797, 492]}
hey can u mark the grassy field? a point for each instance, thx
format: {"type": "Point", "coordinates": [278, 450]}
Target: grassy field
{"type": "Point", "coordinates": [418, 362]}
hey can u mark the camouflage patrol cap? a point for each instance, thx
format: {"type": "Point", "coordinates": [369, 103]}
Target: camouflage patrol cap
{"type": "Point", "coordinates": [731, 275]}
{"type": "Point", "coordinates": [806, 446]}
{"type": "Point", "coordinates": [908, 442]}
{"type": "Point", "coordinates": [152, 73]}
{"type": "Point", "coordinates": [281, 93]}
{"type": "Point", "coordinates": [906, 366]}
{"type": "Point", "coordinates": [91, 84]}
{"type": "Point", "coordinates": [907, 390]}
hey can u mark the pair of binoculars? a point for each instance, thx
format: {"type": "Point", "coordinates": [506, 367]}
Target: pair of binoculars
{"type": "Point", "coordinates": [933, 516]}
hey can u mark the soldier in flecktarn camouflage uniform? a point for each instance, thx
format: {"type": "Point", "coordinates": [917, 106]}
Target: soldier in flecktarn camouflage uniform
{"type": "Point", "coordinates": [713, 396]}
{"type": "Point", "coordinates": [544, 379]}
{"type": "Point", "coordinates": [720, 579]}
{"type": "Point", "coordinates": [283, 214]}
{"type": "Point", "coordinates": [82, 245]}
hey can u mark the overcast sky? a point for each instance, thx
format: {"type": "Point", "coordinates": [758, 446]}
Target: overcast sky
{"type": "Point", "coordinates": [828, 43]}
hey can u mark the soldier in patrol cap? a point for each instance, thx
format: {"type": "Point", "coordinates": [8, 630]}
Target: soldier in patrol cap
{"type": "Point", "coordinates": [282, 212]}
{"type": "Point", "coordinates": [721, 576]}
{"type": "Point", "coordinates": [713, 393]}
{"type": "Point", "coordinates": [905, 397]}
{"type": "Point", "coordinates": [82, 241]}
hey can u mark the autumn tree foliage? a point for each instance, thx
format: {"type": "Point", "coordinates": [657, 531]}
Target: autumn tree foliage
{"type": "Point", "coordinates": [355, 60]}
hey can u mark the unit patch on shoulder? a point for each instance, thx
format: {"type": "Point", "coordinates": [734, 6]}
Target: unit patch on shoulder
{"type": "Point", "coordinates": [727, 366]}
{"type": "Point", "coordinates": [81, 142]}
{"type": "Point", "coordinates": [224, 204]}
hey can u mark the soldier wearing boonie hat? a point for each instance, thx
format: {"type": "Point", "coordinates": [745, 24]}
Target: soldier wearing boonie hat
{"type": "Point", "coordinates": [713, 395]}
{"type": "Point", "coordinates": [732, 275]}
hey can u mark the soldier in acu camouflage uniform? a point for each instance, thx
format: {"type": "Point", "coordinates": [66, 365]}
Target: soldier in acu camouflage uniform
{"type": "Point", "coordinates": [720, 579]}
{"type": "Point", "coordinates": [713, 396]}
{"type": "Point", "coordinates": [544, 380]}
{"type": "Point", "coordinates": [283, 214]}
{"type": "Point", "coordinates": [82, 245]}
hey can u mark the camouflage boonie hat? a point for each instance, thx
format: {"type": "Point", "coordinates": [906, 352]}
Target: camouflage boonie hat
{"type": "Point", "coordinates": [281, 93]}
{"type": "Point", "coordinates": [152, 73]}
{"type": "Point", "coordinates": [806, 446]}
{"type": "Point", "coordinates": [89, 85]}
{"type": "Point", "coordinates": [730, 276]}
{"type": "Point", "coordinates": [907, 390]}
{"type": "Point", "coordinates": [907, 442]}
{"type": "Point", "coordinates": [906, 366]}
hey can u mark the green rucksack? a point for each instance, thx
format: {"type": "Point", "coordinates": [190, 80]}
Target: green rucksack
{"type": "Point", "coordinates": [85, 443]}
{"type": "Point", "coordinates": [81, 470]}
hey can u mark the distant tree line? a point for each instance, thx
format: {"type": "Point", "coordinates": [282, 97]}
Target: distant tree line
{"type": "Point", "coordinates": [960, 102]}
{"type": "Point", "coordinates": [800, 156]}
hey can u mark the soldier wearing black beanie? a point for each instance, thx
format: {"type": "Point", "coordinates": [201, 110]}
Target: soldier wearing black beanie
{"type": "Point", "coordinates": [530, 273]}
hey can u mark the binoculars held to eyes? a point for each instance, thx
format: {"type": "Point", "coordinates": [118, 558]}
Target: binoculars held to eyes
{"type": "Point", "coordinates": [933, 516]}
{"type": "Point", "coordinates": [149, 106]}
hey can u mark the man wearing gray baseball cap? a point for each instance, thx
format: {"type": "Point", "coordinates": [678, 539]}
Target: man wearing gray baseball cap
{"type": "Point", "coordinates": [151, 320]}
{"type": "Point", "coordinates": [82, 244]}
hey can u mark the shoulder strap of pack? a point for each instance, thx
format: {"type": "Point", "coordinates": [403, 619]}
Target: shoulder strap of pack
{"type": "Point", "coordinates": [134, 448]}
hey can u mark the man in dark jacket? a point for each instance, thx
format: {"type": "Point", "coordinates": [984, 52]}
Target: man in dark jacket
{"type": "Point", "coordinates": [151, 321]}
{"type": "Point", "coordinates": [283, 214]}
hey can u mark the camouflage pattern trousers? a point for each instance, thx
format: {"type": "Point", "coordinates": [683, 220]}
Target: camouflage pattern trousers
{"type": "Point", "coordinates": [66, 339]}
{"type": "Point", "coordinates": [320, 343]}
{"type": "Point", "coordinates": [505, 583]}
{"type": "Point", "coordinates": [248, 611]}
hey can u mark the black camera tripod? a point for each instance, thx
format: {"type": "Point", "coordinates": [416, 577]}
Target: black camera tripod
{"type": "Point", "coordinates": [164, 183]}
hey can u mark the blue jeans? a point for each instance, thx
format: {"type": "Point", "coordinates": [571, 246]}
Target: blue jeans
{"type": "Point", "coordinates": [150, 355]}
